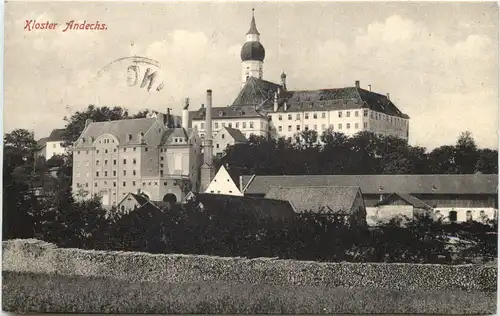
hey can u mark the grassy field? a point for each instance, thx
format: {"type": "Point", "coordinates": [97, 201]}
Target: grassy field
{"type": "Point", "coordinates": [24, 292]}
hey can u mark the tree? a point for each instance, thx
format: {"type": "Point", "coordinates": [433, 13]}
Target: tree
{"type": "Point", "coordinates": [466, 153]}
{"type": "Point", "coordinates": [442, 160]}
{"type": "Point", "coordinates": [487, 162]}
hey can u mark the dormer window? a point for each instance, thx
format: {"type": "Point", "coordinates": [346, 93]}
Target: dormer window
{"type": "Point", "coordinates": [220, 113]}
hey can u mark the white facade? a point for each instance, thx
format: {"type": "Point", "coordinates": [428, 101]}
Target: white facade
{"type": "Point", "coordinates": [222, 183]}
{"type": "Point", "coordinates": [251, 68]}
{"type": "Point", "coordinates": [222, 139]}
{"type": "Point", "coordinates": [349, 122]}
{"type": "Point", "coordinates": [248, 126]}
{"type": "Point", "coordinates": [54, 148]}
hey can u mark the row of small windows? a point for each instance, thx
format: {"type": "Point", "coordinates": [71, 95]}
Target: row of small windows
{"type": "Point", "coordinates": [124, 183]}
{"type": "Point", "coordinates": [134, 161]}
{"type": "Point", "coordinates": [114, 173]}
{"type": "Point", "coordinates": [230, 125]}
{"type": "Point", "coordinates": [323, 127]}
{"type": "Point", "coordinates": [323, 115]}
{"type": "Point", "coordinates": [114, 150]}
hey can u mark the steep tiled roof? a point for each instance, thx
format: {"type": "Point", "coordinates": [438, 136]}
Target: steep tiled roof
{"type": "Point", "coordinates": [139, 198]}
{"type": "Point", "coordinates": [41, 142]}
{"type": "Point", "coordinates": [120, 129]}
{"type": "Point", "coordinates": [260, 93]}
{"type": "Point", "coordinates": [410, 199]}
{"type": "Point", "coordinates": [227, 112]}
{"type": "Point", "coordinates": [56, 135]}
{"type": "Point", "coordinates": [257, 92]}
{"type": "Point", "coordinates": [315, 198]}
{"type": "Point", "coordinates": [236, 134]}
{"type": "Point", "coordinates": [259, 207]}
{"type": "Point", "coordinates": [174, 132]}
{"type": "Point", "coordinates": [384, 184]}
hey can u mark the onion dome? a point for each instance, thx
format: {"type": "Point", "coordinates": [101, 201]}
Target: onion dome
{"type": "Point", "coordinates": [253, 51]}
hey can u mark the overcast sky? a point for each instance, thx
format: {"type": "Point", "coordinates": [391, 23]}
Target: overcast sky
{"type": "Point", "coordinates": [438, 61]}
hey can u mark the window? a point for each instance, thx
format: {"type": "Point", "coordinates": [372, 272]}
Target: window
{"type": "Point", "coordinates": [356, 114]}
{"type": "Point", "coordinates": [244, 124]}
{"type": "Point", "coordinates": [161, 158]}
{"type": "Point", "coordinates": [97, 162]}
{"type": "Point", "coordinates": [323, 126]}
{"type": "Point", "coordinates": [114, 150]}
{"type": "Point", "coordinates": [146, 149]}
{"type": "Point", "coordinates": [348, 114]}
{"type": "Point", "coordinates": [315, 127]}
{"type": "Point", "coordinates": [161, 173]}
{"type": "Point", "coordinates": [289, 128]}
{"type": "Point", "coordinates": [97, 173]}
{"type": "Point", "coordinates": [53, 145]}
{"type": "Point", "coordinates": [323, 115]}
{"type": "Point", "coordinates": [124, 172]}
{"type": "Point", "coordinates": [202, 125]}
{"type": "Point", "coordinates": [306, 127]}
{"type": "Point", "coordinates": [468, 216]}
{"type": "Point", "coordinates": [124, 150]}
{"type": "Point", "coordinates": [298, 127]}
{"type": "Point", "coordinates": [340, 114]}
{"type": "Point", "coordinates": [280, 117]}
{"type": "Point", "coordinates": [114, 161]}
{"type": "Point", "coordinates": [105, 162]}
{"type": "Point", "coordinates": [237, 124]}
{"type": "Point", "coordinates": [114, 183]}
{"type": "Point", "coordinates": [105, 173]}
{"type": "Point", "coordinates": [105, 151]}
{"type": "Point", "coordinates": [453, 216]}
{"type": "Point", "coordinates": [133, 183]}
{"type": "Point", "coordinates": [124, 161]}
{"type": "Point", "coordinates": [306, 116]}
{"type": "Point", "coordinates": [134, 161]}
{"type": "Point", "coordinates": [135, 148]}
{"type": "Point", "coordinates": [230, 125]}
{"type": "Point", "coordinates": [348, 125]}
{"type": "Point", "coordinates": [133, 172]}
{"type": "Point", "coordinates": [356, 125]}
{"type": "Point", "coordinates": [222, 136]}
{"type": "Point", "coordinates": [365, 125]}
{"type": "Point", "coordinates": [95, 184]}
{"type": "Point", "coordinates": [129, 137]}
{"type": "Point", "coordinates": [124, 183]}
{"type": "Point", "coordinates": [280, 128]}
{"type": "Point", "coordinates": [289, 116]}
{"type": "Point", "coordinates": [297, 117]}
{"type": "Point", "coordinates": [224, 124]}
{"type": "Point", "coordinates": [340, 126]}
{"type": "Point", "coordinates": [315, 115]}
{"type": "Point", "coordinates": [216, 125]}
{"type": "Point", "coordinates": [86, 184]}
{"type": "Point", "coordinates": [114, 173]}
{"type": "Point", "coordinates": [251, 124]}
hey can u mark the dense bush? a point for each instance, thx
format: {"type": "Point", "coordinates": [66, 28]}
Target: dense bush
{"type": "Point", "coordinates": [189, 229]}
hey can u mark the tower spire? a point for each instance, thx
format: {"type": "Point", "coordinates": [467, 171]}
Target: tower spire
{"type": "Point", "coordinates": [253, 27]}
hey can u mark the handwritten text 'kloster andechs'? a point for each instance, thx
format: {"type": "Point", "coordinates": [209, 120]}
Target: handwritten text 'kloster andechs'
{"type": "Point", "coordinates": [34, 25]}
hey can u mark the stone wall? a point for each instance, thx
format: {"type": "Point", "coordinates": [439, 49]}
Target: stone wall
{"type": "Point", "coordinates": [36, 256]}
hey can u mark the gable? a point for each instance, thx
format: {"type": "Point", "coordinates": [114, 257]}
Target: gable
{"type": "Point", "coordinates": [222, 183]}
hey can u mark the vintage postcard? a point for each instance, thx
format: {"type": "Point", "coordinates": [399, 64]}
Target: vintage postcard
{"type": "Point", "coordinates": [250, 157]}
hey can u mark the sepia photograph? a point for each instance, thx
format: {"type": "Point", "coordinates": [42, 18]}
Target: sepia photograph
{"type": "Point", "coordinates": [269, 157]}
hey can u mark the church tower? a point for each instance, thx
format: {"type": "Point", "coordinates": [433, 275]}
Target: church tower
{"type": "Point", "coordinates": [252, 54]}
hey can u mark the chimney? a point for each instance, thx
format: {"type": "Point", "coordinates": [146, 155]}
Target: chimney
{"type": "Point", "coordinates": [276, 102]}
{"type": "Point", "coordinates": [370, 87]}
{"type": "Point", "coordinates": [169, 118]}
{"type": "Point", "coordinates": [208, 130]}
{"type": "Point", "coordinates": [285, 106]}
{"type": "Point", "coordinates": [185, 114]}
{"type": "Point", "coordinates": [388, 96]}
{"type": "Point", "coordinates": [357, 83]}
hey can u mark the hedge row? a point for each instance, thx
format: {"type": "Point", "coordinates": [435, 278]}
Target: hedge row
{"type": "Point", "coordinates": [40, 257]}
